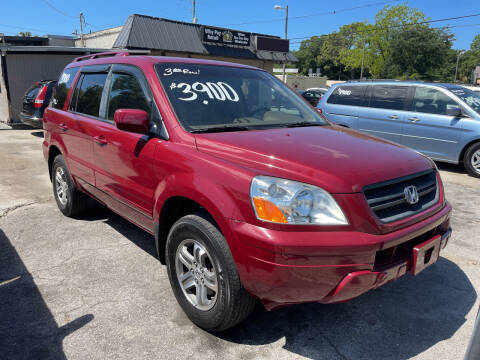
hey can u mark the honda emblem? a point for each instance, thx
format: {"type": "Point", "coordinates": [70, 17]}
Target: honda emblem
{"type": "Point", "coordinates": [411, 194]}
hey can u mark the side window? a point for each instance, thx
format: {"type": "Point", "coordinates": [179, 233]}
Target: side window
{"type": "Point", "coordinates": [125, 93]}
{"type": "Point", "coordinates": [432, 101]}
{"type": "Point", "coordinates": [348, 95]}
{"type": "Point", "coordinates": [389, 97]}
{"type": "Point", "coordinates": [88, 93]}
{"type": "Point", "coordinates": [63, 87]}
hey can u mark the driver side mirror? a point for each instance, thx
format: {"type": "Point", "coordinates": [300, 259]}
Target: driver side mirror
{"type": "Point", "coordinates": [455, 112]}
{"type": "Point", "coordinates": [132, 120]}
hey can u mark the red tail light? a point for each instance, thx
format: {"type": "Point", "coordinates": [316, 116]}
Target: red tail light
{"type": "Point", "coordinates": [40, 97]}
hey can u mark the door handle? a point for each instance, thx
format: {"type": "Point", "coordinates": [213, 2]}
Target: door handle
{"type": "Point", "coordinates": [414, 119]}
{"type": "Point", "coordinates": [100, 140]}
{"type": "Point", "coordinates": [63, 126]}
{"type": "Point", "coordinates": [393, 117]}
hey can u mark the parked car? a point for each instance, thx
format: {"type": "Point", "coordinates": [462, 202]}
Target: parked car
{"type": "Point", "coordinates": [312, 96]}
{"type": "Point", "coordinates": [441, 121]}
{"type": "Point", "coordinates": [35, 101]}
{"type": "Point", "coordinates": [473, 88]}
{"type": "Point", "coordinates": [249, 193]}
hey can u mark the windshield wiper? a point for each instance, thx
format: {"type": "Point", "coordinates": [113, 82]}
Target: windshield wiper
{"type": "Point", "coordinates": [303, 124]}
{"type": "Point", "coordinates": [221, 129]}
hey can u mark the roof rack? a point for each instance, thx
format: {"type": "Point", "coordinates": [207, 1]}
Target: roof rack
{"type": "Point", "coordinates": [101, 55]}
{"type": "Point", "coordinates": [383, 80]}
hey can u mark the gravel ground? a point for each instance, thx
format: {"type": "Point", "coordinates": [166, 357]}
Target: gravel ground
{"type": "Point", "coordinates": [91, 288]}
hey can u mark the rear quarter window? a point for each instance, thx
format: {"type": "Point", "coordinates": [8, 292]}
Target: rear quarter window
{"type": "Point", "coordinates": [63, 87]}
{"type": "Point", "coordinates": [348, 95]}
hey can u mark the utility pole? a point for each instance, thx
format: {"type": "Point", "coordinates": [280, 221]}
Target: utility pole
{"type": "Point", "coordinates": [456, 68]}
{"type": "Point", "coordinates": [194, 19]}
{"type": "Point", "coordinates": [363, 61]}
{"type": "Point", "coordinates": [82, 41]}
{"type": "Point", "coordinates": [279, 7]}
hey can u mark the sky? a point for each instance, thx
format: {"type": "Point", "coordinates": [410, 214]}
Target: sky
{"type": "Point", "coordinates": [42, 17]}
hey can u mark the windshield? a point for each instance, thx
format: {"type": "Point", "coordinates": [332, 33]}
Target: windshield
{"type": "Point", "coordinates": [470, 97]}
{"type": "Point", "coordinates": [220, 98]}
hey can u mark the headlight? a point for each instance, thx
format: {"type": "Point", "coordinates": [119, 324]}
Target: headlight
{"type": "Point", "coordinates": [291, 202]}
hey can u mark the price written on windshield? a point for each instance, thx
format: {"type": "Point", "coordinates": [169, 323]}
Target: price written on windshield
{"type": "Point", "coordinates": [220, 91]}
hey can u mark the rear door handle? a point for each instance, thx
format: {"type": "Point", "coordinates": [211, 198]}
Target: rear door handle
{"type": "Point", "coordinates": [63, 126]}
{"type": "Point", "coordinates": [414, 119]}
{"type": "Point", "coordinates": [100, 139]}
{"type": "Point", "coordinates": [393, 117]}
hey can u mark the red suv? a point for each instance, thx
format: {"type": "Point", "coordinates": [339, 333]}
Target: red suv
{"type": "Point", "coordinates": [249, 192]}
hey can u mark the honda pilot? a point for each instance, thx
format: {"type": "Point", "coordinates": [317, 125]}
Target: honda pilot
{"type": "Point", "coordinates": [249, 193]}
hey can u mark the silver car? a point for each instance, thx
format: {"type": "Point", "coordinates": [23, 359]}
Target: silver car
{"type": "Point", "coordinates": [441, 121]}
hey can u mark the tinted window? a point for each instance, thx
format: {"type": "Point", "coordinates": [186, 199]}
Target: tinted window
{"type": "Point", "coordinates": [88, 93]}
{"type": "Point", "coordinates": [348, 95]}
{"type": "Point", "coordinates": [125, 93]}
{"type": "Point", "coordinates": [389, 97]}
{"type": "Point", "coordinates": [432, 101]}
{"type": "Point", "coordinates": [207, 97]}
{"type": "Point", "coordinates": [61, 91]}
{"type": "Point", "coordinates": [32, 91]}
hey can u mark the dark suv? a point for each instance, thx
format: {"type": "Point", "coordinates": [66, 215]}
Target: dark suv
{"type": "Point", "coordinates": [249, 192]}
{"type": "Point", "coordinates": [35, 101]}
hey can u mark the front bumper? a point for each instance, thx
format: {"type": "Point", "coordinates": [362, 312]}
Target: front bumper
{"type": "Point", "coordinates": [326, 267]}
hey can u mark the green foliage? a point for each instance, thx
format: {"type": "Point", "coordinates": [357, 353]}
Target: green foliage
{"type": "Point", "coordinates": [25, 34]}
{"type": "Point", "coordinates": [398, 45]}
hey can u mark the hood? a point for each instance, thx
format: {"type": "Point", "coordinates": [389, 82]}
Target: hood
{"type": "Point", "coordinates": [337, 159]}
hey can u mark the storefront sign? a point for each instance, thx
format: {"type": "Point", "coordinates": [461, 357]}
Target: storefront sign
{"type": "Point", "coordinates": [225, 37]}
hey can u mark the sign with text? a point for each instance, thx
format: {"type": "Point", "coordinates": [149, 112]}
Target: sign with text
{"type": "Point", "coordinates": [225, 37]}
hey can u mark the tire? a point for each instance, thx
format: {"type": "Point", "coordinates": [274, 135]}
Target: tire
{"type": "Point", "coordinates": [231, 304]}
{"type": "Point", "coordinates": [70, 200]}
{"type": "Point", "coordinates": [472, 156]}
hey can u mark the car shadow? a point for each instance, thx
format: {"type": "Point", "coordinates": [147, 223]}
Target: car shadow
{"type": "Point", "coordinates": [27, 327]}
{"type": "Point", "coordinates": [397, 321]}
{"type": "Point", "coordinates": [38, 133]}
{"type": "Point", "coordinates": [136, 235]}
{"type": "Point", "coordinates": [453, 168]}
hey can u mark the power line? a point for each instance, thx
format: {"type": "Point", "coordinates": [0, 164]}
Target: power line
{"type": "Point", "coordinates": [402, 25]}
{"type": "Point", "coordinates": [331, 12]}
{"type": "Point", "coordinates": [28, 29]}
{"type": "Point", "coordinates": [58, 10]}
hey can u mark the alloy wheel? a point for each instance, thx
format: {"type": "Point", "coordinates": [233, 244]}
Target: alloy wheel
{"type": "Point", "coordinates": [475, 160]}
{"type": "Point", "coordinates": [61, 186]}
{"type": "Point", "coordinates": [196, 274]}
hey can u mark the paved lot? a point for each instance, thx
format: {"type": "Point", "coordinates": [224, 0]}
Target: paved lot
{"type": "Point", "coordinates": [90, 288]}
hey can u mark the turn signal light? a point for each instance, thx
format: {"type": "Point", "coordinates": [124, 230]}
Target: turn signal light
{"type": "Point", "coordinates": [268, 211]}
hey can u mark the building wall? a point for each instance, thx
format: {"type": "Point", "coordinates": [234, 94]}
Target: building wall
{"type": "Point", "coordinates": [304, 82]}
{"type": "Point", "coordinates": [26, 68]}
{"type": "Point", "coordinates": [103, 39]}
{"type": "Point", "coordinates": [4, 109]}
{"type": "Point", "coordinates": [262, 64]}
{"type": "Point", "coordinates": [476, 75]}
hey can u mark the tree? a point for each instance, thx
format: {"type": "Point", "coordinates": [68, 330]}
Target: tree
{"type": "Point", "coordinates": [475, 45]}
{"type": "Point", "coordinates": [417, 52]}
{"type": "Point", "coordinates": [25, 34]}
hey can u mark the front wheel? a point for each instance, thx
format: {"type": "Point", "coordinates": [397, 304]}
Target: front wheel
{"type": "Point", "coordinates": [70, 200]}
{"type": "Point", "coordinates": [472, 160]}
{"type": "Point", "coordinates": [203, 275]}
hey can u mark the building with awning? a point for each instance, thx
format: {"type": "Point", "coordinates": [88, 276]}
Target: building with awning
{"type": "Point", "coordinates": [166, 37]}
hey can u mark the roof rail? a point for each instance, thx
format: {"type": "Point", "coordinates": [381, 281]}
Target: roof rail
{"type": "Point", "coordinates": [101, 55]}
{"type": "Point", "coordinates": [383, 80]}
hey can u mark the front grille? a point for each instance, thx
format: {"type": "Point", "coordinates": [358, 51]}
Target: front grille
{"type": "Point", "coordinates": [388, 201]}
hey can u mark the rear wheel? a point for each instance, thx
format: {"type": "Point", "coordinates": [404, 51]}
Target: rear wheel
{"type": "Point", "coordinates": [203, 275]}
{"type": "Point", "coordinates": [69, 200]}
{"type": "Point", "coordinates": [471, 160]}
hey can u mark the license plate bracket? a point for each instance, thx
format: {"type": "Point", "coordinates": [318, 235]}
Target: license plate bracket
{"type": "Point", "coordinates": [425, 254]}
